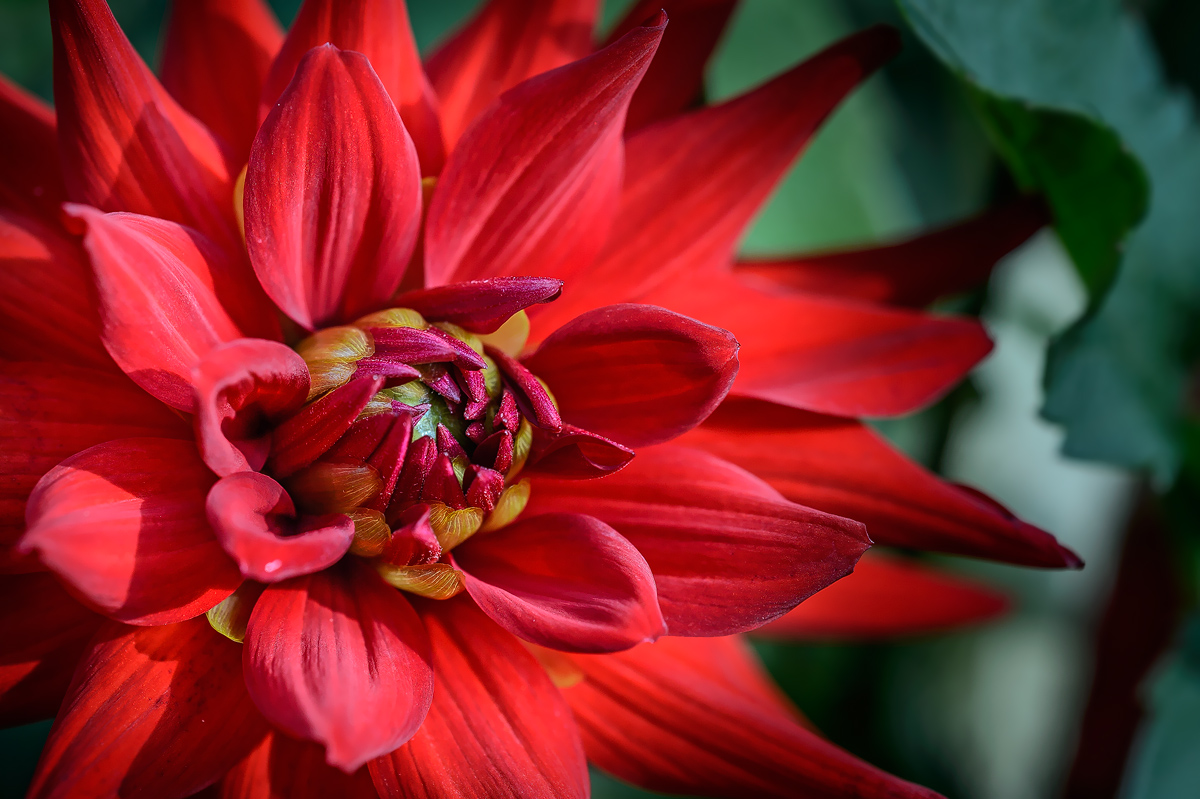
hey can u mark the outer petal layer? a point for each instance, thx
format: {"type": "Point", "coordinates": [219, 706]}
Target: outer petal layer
{"type": "Point", "coordinates": [728, 553]}
{"type": "Point", "coordinates": [498, 728]}
{"type": "Point", "coordinates": [333, 195]}
{"type": "Point", "coordinates": [284, 768]}
{"type": "Point", "coordinates": [155, 711]}
{"type": "Point", "coordinates": [31, 183]}
{"type": "Point", "coordinates": [123, 525]}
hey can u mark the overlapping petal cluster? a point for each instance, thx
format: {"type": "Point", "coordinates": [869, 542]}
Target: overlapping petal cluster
{"type": "Point", "coordinates": [379, 428]}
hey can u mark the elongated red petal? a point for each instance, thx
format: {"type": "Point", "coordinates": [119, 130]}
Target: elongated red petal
{"type": "Point", "coordinates": [47, 302]}
{"type": "Point", "coordinates": [679, 717]}
{"type": "Point", "coordinates": [306, 436]}
{"type": "Point", "coordinates": [284, 768]}
{"type": "Point", "coordinates": [574, 453]}
{"type": "Point", "coordinates": [49, 412]}
{"type": "Point", "coordinates": [158, 311]}
{"type": "Point", "coordinates": [532, 185]}
{"type": "Point", "coordinates": [527, 578]}
{"type": "Point", "coordinates": [145, 698]}
{"type": "Point", "coordinates": [30, 182]}
{"type": "Point", "coordinates": [255, 521]}
{"type": "Point", "coordinates": [214, 61]}
{"type": "Point", "coordinates": [637, 374]}
{"type": "Point", "coordinates": [830, 355]}
{"type": "Point", "coordinates": [497, 727]}
{"type": "Point", "coordinates": [43, 633]}
{"type": "Point", "coordinates": [379, 29]}
{"type": "Point", "coordinates": [123, 525]}
{"type": "Point", "coordinates": [481, 306]}
{"type": "Point", "coordinates": [341, 658]}
{"type": "Point", "coordinates": [728, 553]}
{"type": "Point", "coordinates": [239, 387]}
{"type": "Point", "coordinates": [506, 42]}
{"type": "Point", "coordinates": [841, 466]}
{"type": "Point", "coordinates": [914, 272]}
{"type": "Point", "coordinates": [333, 192]}
{"type": "Point", "coordinates": [676, 76]}
{"type": "Point", "coordinates": [887, 597]}
{"type": "Point", "coordinates": [126, 145]}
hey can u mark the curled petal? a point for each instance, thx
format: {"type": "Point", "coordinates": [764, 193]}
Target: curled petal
{"type": "Point", "coordinates": [255, 521]}
{"type": "Point", "coordinates": [527, 578]}
{"type": "Point", "coordinates": [574, 453]}
{"type": "Point", "coordinates": [123, 525]}
{"type": "Point", "coordinates": [481, 306]}
{"type": "Point", "coordinates": [310, 433]}
{"type": "Point", "coordinates": [31, 183]}
{"type": "Point", "coordinates": [333, 194]}
{"type": "Point", "coordinates": [637, 374]}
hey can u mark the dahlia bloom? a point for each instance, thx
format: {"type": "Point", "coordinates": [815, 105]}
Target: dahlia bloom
{"type": "Point", "coordinates": [369, 433]}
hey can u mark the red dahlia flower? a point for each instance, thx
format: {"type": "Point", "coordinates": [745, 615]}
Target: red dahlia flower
{"type": "Point", "coordinates": [382, 528]}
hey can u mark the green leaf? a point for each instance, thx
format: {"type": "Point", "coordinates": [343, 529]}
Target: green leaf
{"type": "Point", "coordinates": [1088, 75]}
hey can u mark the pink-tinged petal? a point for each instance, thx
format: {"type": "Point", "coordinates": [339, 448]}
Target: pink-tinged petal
{"type": "Point", "coordinates": [43, 634]}
{"type": "Point", "coordinates": [341, 658]}
{"type": "Point", "coordinates": [122, 524]}
{"type": "Point", "coordinates": [914, 272]}
{"type": "Point", "coordinates": [256, 522]}
{"type": "Point", "coordinates": [527, 577]}
{"type": "Point", "coordinates": [637, 374]}
{"type": "Point", "coordinates": [159, 314]}
{"type": "Point", "coordinates": [680, 717]}
{"type": "Point", "coordinates": [333, 192]}
{"type": "Point", "coordinates": [887, 597]}
{"type": "Point", "coordinates": [30, 182]}
{"type": "Point", "coordinates": [125, 144]}
{"type": "Point", "coordinates": [529, 395]}
{"type": "Point", "coordinates": [497, 728]}
{"type": "Point", "coordinates": [506, 42]}
{"type": "Point", "coordinates": [830, 355]}
{"type": "Point", "coordinates": [532, 186]}
{"type": "Point", "coordinates": [47, 302]}
{"type": "Point", "coordinates": [841, 466]}
{"type": "Point", "coordinates": [728, 553]}
{"type": "Point", "coordinates": [152, 711]}
{"type": "Point", "coordinates": [284, 768]}
{"type": "Point", "coordinates": [49, 412]}
{"type": "Point", "coordinates": [481, 306]}
{"type": "Point", "coordinates": [310, 433]}
{"type": "Point", "coordinates": [693, 183]}
{"type": "Point", "coordinates": [378, 29]}
{"type": "Point", "coordinates": [676, 76]}
{"type": "Point", "coordinates": [215, 58]}
{"type": "Point", "coordinates": [241, 388]}
{"type": "Point", "coordinates": [574, 453]}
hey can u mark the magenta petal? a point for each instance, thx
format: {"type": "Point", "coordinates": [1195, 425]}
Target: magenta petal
{"type": "Point", "coordinates": [481, 306]}
{"type": "Point", "coordinates": [255, 521]}
{"type": "Point", "coordinates": [529, 578]}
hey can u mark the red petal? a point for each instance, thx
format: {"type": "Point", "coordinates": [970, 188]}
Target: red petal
{"type": "Point", "coordinates": [125, 144]}
{"type": "Point", "coordinates": [842, 467]}
{"type": "Point", "coordinates": [887, 597]}
{"type": "Point", "coordinates": [123, 525]}
{"type": "Point", "coordinates": [47, 302]}
{"type": "Point", "coordinates": [214, 60]}
{"type": "Point", "coordinates": [481, 306]}
{"type": "Point", "coordinates": [240, 387]}
{"type": "Point", "coordinates": [637, 374]}
{"type": "Point", "coordinates": [914, 272]}
{"type": "Point", "coordinates": [498, 726]}
{"type": "Point", "coordinates": [310, 433]}
{"type": "Point", "coordinates": [333, 193]}
{"type": "Point", "coordinates": [284, 768]}
{"type": "Point", "coordinates": [829, 355]}
{"type": "Point", "coordinates": [155, 711]}
{"type": "Point", "coordinates": [506, 42]}
{"type": "Point", "coordinates": [341, 658]}
{"type": "Point", "coordinates": [158, 310]}
{"type": "Point", "coordinates": [676, 76]}
{"type": "Point", "coordinates": [527, 577]}
{"type": "Point", "coordinates": [678, 717]}
{"type": "Point", "coordinates": [532, 186]}
{"type": "Point", "coordinates": [48, 412]}
{"type": "Point", "coordinates": [43, 633]}
{"type": "Point", "coordinates": [379, 30]}
{"type": "Point", "coordinates": [574, 453]}
{"type": "Point", "coordinates": [30, 178]}
{"type": "Point", "coordinates": [255, 521]}
{"type": "Point", "coordinates": [728, 553]}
